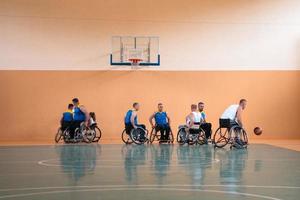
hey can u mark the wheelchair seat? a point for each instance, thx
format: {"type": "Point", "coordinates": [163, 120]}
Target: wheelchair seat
{"type": "Point", "coordinates": [224, 123]}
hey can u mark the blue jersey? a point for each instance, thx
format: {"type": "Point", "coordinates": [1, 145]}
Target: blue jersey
{"type": "Point", "coordinates": [68, 116]}
{"type": "Point", "coordinates": [128, 118]}
{"type": "Point", "coordinates": [161, 118]}
{"type": "Point", "coordinates": [78, 114]}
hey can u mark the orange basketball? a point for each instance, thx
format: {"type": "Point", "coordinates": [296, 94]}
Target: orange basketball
{"type": "Point", "coordinates": [257, 131]}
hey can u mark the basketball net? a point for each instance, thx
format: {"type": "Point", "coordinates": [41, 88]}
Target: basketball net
{"type": "Point", "coordinates": [135, 62]}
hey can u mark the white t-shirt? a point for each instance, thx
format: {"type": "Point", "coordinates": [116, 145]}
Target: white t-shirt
{"type": "Point", "coordinates": [197, 119]}
{"type": "Point", "coordinates": [92, 121]}
{"type": "Point", "coordinates": [230, 112]}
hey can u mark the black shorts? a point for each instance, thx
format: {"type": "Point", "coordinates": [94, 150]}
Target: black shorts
{"type": "Point", "coordinates": [194, 131]}
{"type": "Point", "coordinates": [65, 125]}
{"type": "Point", "coordinates": [129, 127]}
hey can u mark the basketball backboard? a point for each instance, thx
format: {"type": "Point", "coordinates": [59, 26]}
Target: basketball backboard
{"type": "Point", "coordinates": [144, 49]}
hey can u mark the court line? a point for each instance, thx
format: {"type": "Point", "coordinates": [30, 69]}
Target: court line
{"type": "Point", "coordinates": [170, 185]}
{"type": "Point", "coordinates": [44, 163]}
{"type": "Point", "coordinates": [137, 189]}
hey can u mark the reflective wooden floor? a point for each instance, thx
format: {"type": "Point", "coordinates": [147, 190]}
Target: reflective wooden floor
{"type": "Point", "coordinates": [148, 172]}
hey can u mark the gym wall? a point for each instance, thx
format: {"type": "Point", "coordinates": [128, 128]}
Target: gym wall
{"type": "Point", "coordinates": [213, 51]}
{"type": "Point", "coordinates": [32, 101]}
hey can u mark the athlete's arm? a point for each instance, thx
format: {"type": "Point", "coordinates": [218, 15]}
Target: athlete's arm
{"type": "Point", "coordinates": [151, 120]}
{"type": "Point", "coordinates": [169, 121]}
{"type": "Point", "coordinates": [87, 116]}
{"type": "Point", "coordinates": [239, 116]}
{"type": "Point", "coordinates": [191, 118]}
{"type": "Point", "coordinates": [133, 115]}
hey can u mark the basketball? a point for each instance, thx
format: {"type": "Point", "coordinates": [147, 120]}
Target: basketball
{"type": "Point", "coordinates": [257, 131]}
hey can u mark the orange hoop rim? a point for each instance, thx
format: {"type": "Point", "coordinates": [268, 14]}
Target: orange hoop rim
{"type": "Point", "coordinates": [135, 60]}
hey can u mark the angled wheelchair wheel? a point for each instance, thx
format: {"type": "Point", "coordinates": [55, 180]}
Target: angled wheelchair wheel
{"type": "Point", "coordinates": [181, 136]}
{"type": "Point", "coordinates": [238, 132]}
{"type": "Point", "coordinates": [98, 133]}
{"type": "Point", "coordinates": [126, 138]}
{"type": "Point", "coordinates": [66, 136]}
{"type": "Point", "coordinates": [139, 135]}
{"type": "Point", "coordinates": [88, 135]}
{"type": "Point", "coordinates": [58, 135]}
{"type": "Point", "coordinates": [193, 139]}
{"type": "Point", "coordinates": [171, 137]}
{"type": "Point", "coordinates": [201, 138]}
{"type": "Point", "coordinates": [77, 135]}
{"type": "Point", "coordinates": [245, 137]}
{"type": "Point", "coordinates": [221, 137]}
{"type": "Point", "coordinates": [153, 135]}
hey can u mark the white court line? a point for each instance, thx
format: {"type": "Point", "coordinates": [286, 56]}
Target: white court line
{"type": "Point", "coordinates": [44, 163]}
{"type": "Point", "coordinates": [137, 189]}
{"type": "Point", "coordinates": [149, 185]}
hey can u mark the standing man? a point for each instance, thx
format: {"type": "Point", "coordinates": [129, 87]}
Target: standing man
{"type": "Point", "coordinates": [162, 123]}
{"type": "Point", "coordinates": [205, 125]}
{"type": "Point", "coordinates": [131, 119]}
{"type": "Point", "coordinates": [80, 115]}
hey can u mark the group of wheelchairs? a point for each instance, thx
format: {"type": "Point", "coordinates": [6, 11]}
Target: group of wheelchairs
{"type": "Point", "coordinates": [227, 134]}
{"type": "Point", "coordinates": [140, 135]}
{"type": "Point", "coordinates": [83, 133]}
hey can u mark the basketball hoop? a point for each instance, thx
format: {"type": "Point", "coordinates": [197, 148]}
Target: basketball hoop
{"type": "Point", "coordinates": [135, 62]}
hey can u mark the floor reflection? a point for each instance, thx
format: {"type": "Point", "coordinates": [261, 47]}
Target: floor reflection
{"type": "Point", "coordinates": [78, 160]}
{"type": "Point", "coordinates": [134, 156]}
{"type": "Point", "coordinates": [161, 155]}
{"type": "Point", "coordinates": [232, 165]}
{"type": "Point", "coordinates": [195, 160]}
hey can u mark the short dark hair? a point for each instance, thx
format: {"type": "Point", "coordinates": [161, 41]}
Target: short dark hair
{"type": "Point", "coordinates": [200, 103]}
{"type": "Point", "coordinates": [242, 101]}
{"type": "Point", "coordinates": [75, 100]}
{"type": "Point", "coordinates": [93, 116]}
{"type": "Point", "coordinates": [159, 104]}
{"type": "Point", "coordinates": [134, 104]}
{"type": "Point", "coordinates": [70, 106]}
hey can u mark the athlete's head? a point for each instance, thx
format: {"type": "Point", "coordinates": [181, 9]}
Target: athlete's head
{"type": "Point", "coordinates": [193, 107]}
{"type": "Point", "coordinates": [70, 106]}
{"type": "Point", "coordinates": [75, 101]}
{"type": "Point", "coordinates": [201, 106]}
{"type": "Point", "coordinates": [136, 106]}
{"type": "Point", "coordinates": [243, 103]}
{"type": "Point", "coordinates": [160, 107]}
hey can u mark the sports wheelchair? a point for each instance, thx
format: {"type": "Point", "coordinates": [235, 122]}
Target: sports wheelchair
{"type": "Point", "coordinates": [229, 133]}
{"type": "Point", "coordinates": [155, 135]}
{"type": "Point", "coordinates": [137, 135]}
{"type": "Point", "coordinates": [190, 138]}
{"type": "Point", "coordinates": [88, 134]}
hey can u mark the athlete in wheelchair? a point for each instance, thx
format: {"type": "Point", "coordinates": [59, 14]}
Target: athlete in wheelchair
{"type": "Point", "coordinates": [231, 129]}
{"type": "Point", "coordinates": [192, 133]}
{"type": "Point", "coordinates": [134, 132]}
{"type": "Point", "coordinates": [82, 127]}
{"type": "Point", "coordinates": [161, 130]}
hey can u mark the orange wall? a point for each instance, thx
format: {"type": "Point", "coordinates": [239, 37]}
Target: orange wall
{"type": "Point", "coordinates": [32, 101]}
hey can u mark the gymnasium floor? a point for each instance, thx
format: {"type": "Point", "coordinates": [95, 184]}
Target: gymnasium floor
{"type": "Point", "coordinates": [148, 172]}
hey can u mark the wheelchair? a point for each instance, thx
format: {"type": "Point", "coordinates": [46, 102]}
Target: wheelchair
{"type": "Point", "coordinates": [156, 136]}
{"type": "Point", "coordinates": [137, 135]}
{"type": "Point", "coordinates": [81, 134]}
{"type": "Point", "coordinates": [190, 138]}
{"type": "Point", "coordinates": [231, 134]}
{"type": "Point", "coordinates": [59, 135]}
